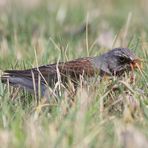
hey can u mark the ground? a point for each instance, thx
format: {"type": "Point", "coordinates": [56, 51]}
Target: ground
{"type": "Point", "coordinates": [109, 114]}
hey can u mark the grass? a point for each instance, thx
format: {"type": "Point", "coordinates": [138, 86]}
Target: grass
{"type": "Point", "coordinates": [99, 117]}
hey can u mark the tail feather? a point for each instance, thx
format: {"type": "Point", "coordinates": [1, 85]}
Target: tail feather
{"type": "Point", "coordinates": [22, 82]}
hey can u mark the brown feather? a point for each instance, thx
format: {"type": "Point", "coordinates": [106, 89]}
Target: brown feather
{"type": "Point", "coordinates": [72, 69]}
{"type": "Point", "coordinates": [109, 63]}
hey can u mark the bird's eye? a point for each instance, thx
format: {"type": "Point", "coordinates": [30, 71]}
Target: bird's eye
{"type": "Point", "coordinates": [122, 59]}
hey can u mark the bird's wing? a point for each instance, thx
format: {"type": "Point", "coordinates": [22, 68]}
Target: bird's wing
{"type": "Point", "coordinates": [29, 79]}
{"type": "Point", "coordinates": [77, 67]}
{"type": "Point", "coordinates": [49, 72]}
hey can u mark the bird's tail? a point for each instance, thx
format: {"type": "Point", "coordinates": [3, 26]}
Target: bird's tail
{"type": "Point", "coordinates": [23, 82]}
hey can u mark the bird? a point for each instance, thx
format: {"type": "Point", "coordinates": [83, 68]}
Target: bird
{"type": "Point", "coordinates": [115, 62]}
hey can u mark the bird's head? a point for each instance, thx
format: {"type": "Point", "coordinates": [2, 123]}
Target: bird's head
{"type": "Point", "coordinates": [119, 60]}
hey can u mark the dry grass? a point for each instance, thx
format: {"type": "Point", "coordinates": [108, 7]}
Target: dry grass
{"type": "Point", "coordinates": [108, 114]}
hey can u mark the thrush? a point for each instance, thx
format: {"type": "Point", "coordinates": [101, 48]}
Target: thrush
{"type": "Point", "coordinates": [112, 63]}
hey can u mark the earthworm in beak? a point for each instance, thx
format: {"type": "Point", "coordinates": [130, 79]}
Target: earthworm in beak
{"type": "Point", "coordinates": [136, 64]}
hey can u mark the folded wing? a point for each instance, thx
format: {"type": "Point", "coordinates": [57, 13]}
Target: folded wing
{"type": "Point", "coordinates": [49, 74]}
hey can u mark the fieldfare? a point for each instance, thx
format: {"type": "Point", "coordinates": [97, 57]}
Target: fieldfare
{"type": "Point", "coordinates": [112, 63]}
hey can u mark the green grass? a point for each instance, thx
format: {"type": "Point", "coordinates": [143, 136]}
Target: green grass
{"type": "Point", "coordinates": [99, 117]}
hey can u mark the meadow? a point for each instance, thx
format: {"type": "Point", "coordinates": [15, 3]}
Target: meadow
{"type": "Point", "coordinates": [40, 32]}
